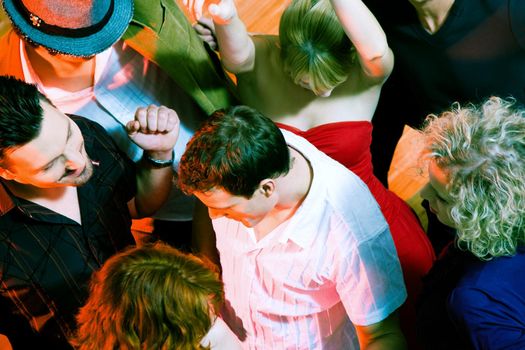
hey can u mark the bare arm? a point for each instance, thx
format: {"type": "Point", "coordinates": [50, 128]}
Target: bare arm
{"type": "Point", "coordinates": [382, 335]}
{"type": "Point", "coordinates": [369, 39]}
{"type": "Point", "coordinates": [155, 130]}
{"type": "Point", "coordinates": [237, 48]}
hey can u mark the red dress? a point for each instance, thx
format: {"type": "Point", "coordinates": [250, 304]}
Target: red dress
{"type": "Point", "coordinates": [349, 144]}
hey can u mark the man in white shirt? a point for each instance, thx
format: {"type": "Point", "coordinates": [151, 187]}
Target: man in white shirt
{"type": "Point", "coordinates": [307, 257]}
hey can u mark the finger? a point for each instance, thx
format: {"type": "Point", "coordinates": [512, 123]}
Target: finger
{"type": "Point", "coordinates": [162, 120]}
{"type": "Point", "coordinates": [172, 122]}
{"type": "Point", "coordinates": [210, 40]}
{"type": "Point", "coordinates": [201, 30]}
{"type": "Point", "coordinates": [141, 117]}
{"type": "Point", "coordinates": [152, 119]}
{"type": "Point", "coordinates": [132, 127]}
{"type": "Point", "coordinates": [207, 23]}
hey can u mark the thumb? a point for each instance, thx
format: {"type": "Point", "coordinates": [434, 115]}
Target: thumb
{"type": "Point", "coordinates": [132, 127]}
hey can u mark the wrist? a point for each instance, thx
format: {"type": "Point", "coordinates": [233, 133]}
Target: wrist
{"type": "Point", "coordinates": [159, 159]}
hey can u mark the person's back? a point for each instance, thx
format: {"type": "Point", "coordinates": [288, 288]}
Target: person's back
{"type": "Point", "coordinates": [446, 51]}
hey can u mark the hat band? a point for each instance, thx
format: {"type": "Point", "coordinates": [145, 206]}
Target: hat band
{"type": "Point", "coordinates": [50, 29]}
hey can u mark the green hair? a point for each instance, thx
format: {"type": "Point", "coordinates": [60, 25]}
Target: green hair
{"type": "Point", "coordinates": [482, 148]}
{"type": "Point", "coordinates": [314, 43]}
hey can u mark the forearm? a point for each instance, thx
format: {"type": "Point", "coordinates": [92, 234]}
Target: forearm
{"type": "Point", "coordinates": [367, 36]}
{"type": "Point", "coordinates": [384, 335]}
{"type": "Point", "coordinates": [384, 342]}
{"type": "Point", "coordinates": [153, 185]}
{"type": "Point", "coordinates": [236, 46]}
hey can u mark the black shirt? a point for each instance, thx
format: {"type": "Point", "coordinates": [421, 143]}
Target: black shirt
{"type": "Point", "coordinates": [46, 259]}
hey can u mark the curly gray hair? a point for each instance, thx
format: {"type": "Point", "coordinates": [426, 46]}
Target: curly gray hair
{"type": "Point", "coordinates": [482, 147]}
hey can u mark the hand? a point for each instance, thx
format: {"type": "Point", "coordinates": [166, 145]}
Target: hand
{"type": "Point", "coordinates": [155, 130]}
{"type": "Point", "coordinates": [221, 11]}
{"type": "Point", "coordinates": [206, 31]}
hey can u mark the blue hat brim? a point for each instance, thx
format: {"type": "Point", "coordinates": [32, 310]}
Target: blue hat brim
{"type": "Point", "coordinates": [79, 46]}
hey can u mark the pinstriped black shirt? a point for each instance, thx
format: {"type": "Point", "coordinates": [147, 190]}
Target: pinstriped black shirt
{"type": "Point", "coordinates": [46, 259]}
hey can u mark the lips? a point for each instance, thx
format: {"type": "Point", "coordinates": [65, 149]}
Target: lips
{"type": "Point", "coordinates": [433, 210]}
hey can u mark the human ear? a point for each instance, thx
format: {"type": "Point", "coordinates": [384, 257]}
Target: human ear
{"type": "Point", "coordinates": [6, 174]}
{"type": "Point", "coordinates": [267, 187]}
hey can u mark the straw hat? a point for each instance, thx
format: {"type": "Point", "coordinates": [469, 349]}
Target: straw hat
{"type": "Point", "coordinates": [74, 27]}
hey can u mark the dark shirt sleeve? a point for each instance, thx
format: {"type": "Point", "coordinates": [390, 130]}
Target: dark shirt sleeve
{"type": "Point", "coordinates": [490, 319]}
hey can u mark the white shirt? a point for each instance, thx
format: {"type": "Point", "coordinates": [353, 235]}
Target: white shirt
{"type": "Point", "coordinates": [331, 264]}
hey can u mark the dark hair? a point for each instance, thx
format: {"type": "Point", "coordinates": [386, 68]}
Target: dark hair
{"type": "Point", "coordinates": [20, 113]}
{"type": "Point", "coordinates": [234, 150]}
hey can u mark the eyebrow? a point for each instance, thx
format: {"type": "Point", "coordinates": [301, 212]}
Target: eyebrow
{"type": "Point", "coordinates": [55, 159]}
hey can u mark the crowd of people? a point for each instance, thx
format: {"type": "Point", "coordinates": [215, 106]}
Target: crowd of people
{"type": "Point", "coordinates": [273, 224]}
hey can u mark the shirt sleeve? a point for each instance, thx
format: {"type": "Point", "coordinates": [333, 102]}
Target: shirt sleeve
{"type": "Point", "coordinates": [490, 319]}
{"type": "Point", "coordinates": [370, 282]}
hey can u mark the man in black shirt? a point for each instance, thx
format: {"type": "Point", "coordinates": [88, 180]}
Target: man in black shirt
{"type": "Point", "coordinates": [67, 196]}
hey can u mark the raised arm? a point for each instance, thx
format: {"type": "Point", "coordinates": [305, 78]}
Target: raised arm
{"type": "Point", "coordinates": [369, 39]}
{"type": "Point", "coordinates": [155, 130]}
{"type": "Point", "coordinates": [237, 48]}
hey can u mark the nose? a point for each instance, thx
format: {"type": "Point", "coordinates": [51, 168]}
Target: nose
{"type": "Point", "coordinates": [74, 160]}
{"type": "Point", "coordinates": [326, 93]}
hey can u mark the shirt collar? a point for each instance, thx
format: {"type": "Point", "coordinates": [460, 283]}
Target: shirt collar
{"type": "Point", "coordinates": [303, 226]}
{"type": "Point", "coordinates": [6, 201]}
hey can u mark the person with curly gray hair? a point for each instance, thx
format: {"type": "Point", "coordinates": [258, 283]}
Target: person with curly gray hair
{"type": "Point", "coordinates": [477, 186]}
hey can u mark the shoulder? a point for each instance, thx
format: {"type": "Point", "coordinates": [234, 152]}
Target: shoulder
{"type": "Point", "coordinates": [490, 291]}
{"type": "Point", "coordinates": [343, 191]}
{"type": "Point", "coordinates": [88, 127]}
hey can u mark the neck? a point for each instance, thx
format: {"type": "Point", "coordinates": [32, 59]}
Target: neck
{"type": "Point", "coordinates": [32, 193]}
{"type": "Point", "coordinates": [61, 200]}
{"type": "Point", "coordinates": [67, 73]}
{"type": "Point", "coordinates": [292, 190]}
{"type": "Point", "coordinates": [299, 178]}
{"type": "Point", "coordinates": [432, 13]}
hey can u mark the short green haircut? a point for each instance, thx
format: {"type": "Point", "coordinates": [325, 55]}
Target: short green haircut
{"type": "Point", "coordinates": [314, 43]}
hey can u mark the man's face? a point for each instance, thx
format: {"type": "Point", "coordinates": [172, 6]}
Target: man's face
{"type": "Point", "coordinates": [437, 195]}
{"type": "Point", "coordinates": [55, 158]}
{"type": "Point", "coordinates": [54, 57]}
{"type": "Point", "coordinates": [249, 212]}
